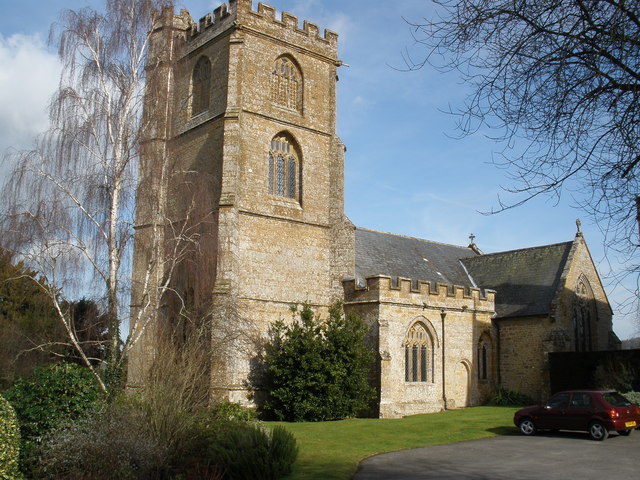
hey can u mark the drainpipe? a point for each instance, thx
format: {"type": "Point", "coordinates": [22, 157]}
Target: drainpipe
{"type": "Point", "coordinates": [498, 352]}
{"type": "Point", "coordinates": [443, 315]}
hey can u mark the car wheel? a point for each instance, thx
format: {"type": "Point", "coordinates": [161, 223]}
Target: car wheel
{"type": "Point", "coordinates": [598, 431]}
{"type": "Point", "coordinates": [625, 433]}
{"type": "Point", "coordinates": [527, 427]}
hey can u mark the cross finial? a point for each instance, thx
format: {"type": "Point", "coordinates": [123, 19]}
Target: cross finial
{"type": "Point", "coordinates": [578, 225]}
{"type": "Point", "coordinates": [472, 237]}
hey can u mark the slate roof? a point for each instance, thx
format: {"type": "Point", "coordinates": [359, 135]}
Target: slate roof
{"type": "Point", "coordinates": [379, 253]}
{"type": "Point", "coordinates": [525, 280]}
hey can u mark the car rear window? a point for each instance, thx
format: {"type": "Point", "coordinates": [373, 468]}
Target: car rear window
{"type": "Point", "coordinates": [616, 400]}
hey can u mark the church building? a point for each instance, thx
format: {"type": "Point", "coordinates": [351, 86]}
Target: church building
{"type": "Point", "coordinates": [242, 176]}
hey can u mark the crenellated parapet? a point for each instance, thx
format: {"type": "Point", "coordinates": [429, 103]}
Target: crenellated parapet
{"type": "Point", "coordinates": [290, 22]}
{"type": "Point", "coordinates": [403, 291]}
{"type": "Point", "coordinates": [240, 14]}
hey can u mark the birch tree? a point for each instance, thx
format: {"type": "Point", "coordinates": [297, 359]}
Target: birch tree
{"type": "Point", "coordinates": [70, 201]}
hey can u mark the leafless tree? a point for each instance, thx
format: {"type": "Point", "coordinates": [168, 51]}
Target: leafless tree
{"type": "Point", "coordinates": [69, 211]}
{"type": "Point", "coordinates": [562, 78]}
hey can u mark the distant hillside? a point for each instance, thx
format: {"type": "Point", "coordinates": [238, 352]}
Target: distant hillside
{"type": "Point", "coordinates": [631, 343]}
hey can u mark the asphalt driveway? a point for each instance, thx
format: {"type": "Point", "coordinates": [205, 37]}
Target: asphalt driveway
{"type": "Point", "coordinates": [564, 455]}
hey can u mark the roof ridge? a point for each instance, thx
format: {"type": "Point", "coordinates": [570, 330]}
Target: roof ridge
{"type": "Point", "coordinates": [525, 249]}
{"type": "Point", "coordinates": [413, 238]}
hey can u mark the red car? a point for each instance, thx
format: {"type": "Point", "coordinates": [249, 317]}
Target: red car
{"type": "Point", "coordinates": [596, 412]}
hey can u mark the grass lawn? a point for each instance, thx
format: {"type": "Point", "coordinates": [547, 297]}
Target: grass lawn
{"type": "Point", "coordinates": [332, 450]}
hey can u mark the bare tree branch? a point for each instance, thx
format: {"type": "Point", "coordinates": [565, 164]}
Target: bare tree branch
{"type": "Point", "coordinates": [560, 79]}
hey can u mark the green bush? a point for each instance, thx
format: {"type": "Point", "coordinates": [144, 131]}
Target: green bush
{"type": "Point", "coordinates": [318, 370]}
{"type": "Point", "coordinates": [51, 395]}
{"type": "Point", "coordinates": [232, 412]}
{"type": "Point", "coordinates": [249, 452]}
{"type": "Point", "coordinates": [504, 397]}
{"type": "Point", "coordinates": [112, 444]}
{"type": "Point", "coordinates": [9, 442]}
{"type": "Point", "coordinates": [633, 397]}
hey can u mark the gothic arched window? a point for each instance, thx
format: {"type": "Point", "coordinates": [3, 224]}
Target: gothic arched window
{"type": "Point", "coordinates": [584, 315]}
{"type": "Point", "coordinates": [284, 168]}
{"type": "Point", "coordinates": [286, 84]}
{"type": "Point", "coordinates": [200, 86]}
{"type": "Point", "coordinates": [418, 354]}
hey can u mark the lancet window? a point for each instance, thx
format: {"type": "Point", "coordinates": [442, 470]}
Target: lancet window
{"type": "Point", "coordinates": [200, 86]}
{"type": "Point", "coordinates": [284, 168]}
{"type": "Point", "coordinates": [418, 355]}
{"type": "Point", "coordinates": [484, 357]}
{"type": "Point", "coordinates": [286, 84]}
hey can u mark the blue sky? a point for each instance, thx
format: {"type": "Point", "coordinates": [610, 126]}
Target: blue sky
{"type": "Point", "coordinates": [406, 172]}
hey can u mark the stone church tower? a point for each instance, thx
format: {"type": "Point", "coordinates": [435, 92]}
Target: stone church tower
{"type": "Point", "coordinates": [240, 157]}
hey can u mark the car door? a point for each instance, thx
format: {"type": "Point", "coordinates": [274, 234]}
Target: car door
{"type": "Point", "coordinates": [579, 411]}
{"type": "Point", "coordinates": [553, 415]}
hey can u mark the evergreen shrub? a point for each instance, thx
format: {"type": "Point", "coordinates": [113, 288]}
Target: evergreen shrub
{"type": "Point", "coordinates": [318, 370]}
{"type": "Point", "coordinates": [50, 396]}
{"type": "Point", "coordinates": [9, 442]}
{"type": "Point", "coordinates": [250, 452]}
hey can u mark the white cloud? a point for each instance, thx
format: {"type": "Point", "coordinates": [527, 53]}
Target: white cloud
{"type": "Point", "coordinates": [28, 78]}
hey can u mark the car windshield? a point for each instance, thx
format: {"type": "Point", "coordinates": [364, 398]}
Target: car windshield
{"type": "Point", "coordinates": [616, 400]}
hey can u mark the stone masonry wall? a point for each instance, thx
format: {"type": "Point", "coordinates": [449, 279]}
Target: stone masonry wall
{"type": "Point", "coordinates": [391, 310]}
{"type": "Point", "coordinates": [523, 360]}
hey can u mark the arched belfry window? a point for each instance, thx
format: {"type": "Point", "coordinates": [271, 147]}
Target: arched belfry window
{"type": "Point", "coordinates": [200, 86]}
{"type": "Point", "coordinates": [584, 315]}
{"type": "Point", "coordinates": [286, 84]}
{"type": "Point", "coordinates": [284, 168]}
{"type": "Point", "coordinates": [418, 354]}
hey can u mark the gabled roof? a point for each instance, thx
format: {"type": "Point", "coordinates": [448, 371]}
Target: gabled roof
{"type": "Point", "coordinates": [379, 253]}
{"type": "Point", "coordinates": [526, 280]}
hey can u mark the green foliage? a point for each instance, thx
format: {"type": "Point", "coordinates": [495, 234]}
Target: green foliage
{"type": "Point", "coordinates": [164, 430]}
{"type": "Point", "coordinates": [504, 397]}
{"type": "Point", "coordinates": [633, 397]}
{"type": "Point", "coordinates": [51, 395]}
{"type": "Point", "coordinates": [232, 412]}
{"type": "Point", "coordinates": [27, 318]}
{"type": "Point", "coordinates": [9, 442]}
{"type": "Point", "coordinates": [249, 452]}
{"type": "Point", "coordinates": [614, 373]}
{"type": "Point", "coordinates": [318, 370]}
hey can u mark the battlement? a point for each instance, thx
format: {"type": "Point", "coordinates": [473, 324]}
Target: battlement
{"type": "Point", "coordinates": [221, 13]}
{"type": "Point", "coordinates": [242, 13]}
{"type": "Point", "coordinates": [384, 289]}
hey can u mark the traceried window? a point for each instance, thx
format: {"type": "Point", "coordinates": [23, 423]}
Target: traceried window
{"type": "Point", "coordinates": [200, 86]}
{"type": "Point", "coordinates": [418, 355]}
{"type": "Point", "coordinates": [286, 84]}
{"type": "Point", "coordinates": [584, 315]}
{"type": "Point", "coordinates": [284, 168]}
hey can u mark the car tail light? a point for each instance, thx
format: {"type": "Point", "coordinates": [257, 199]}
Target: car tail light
{"type": "Point", "coordinates": [613, 413]}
